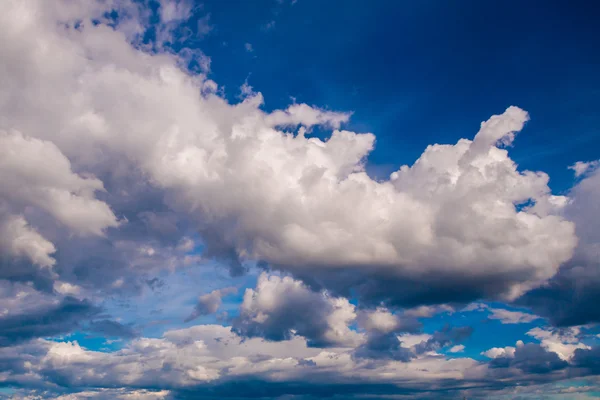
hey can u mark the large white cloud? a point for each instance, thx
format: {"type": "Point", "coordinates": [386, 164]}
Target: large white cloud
{"type": "Point", "coordinates": [259, 193]}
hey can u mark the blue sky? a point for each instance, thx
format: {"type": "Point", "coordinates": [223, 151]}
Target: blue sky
{"type": "Point", "coordinates": [417, 73]}
{"type": "Point", "coordinates": [297, 199]}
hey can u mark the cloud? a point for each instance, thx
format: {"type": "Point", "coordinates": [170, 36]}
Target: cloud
{"type": "Point", "coordinates": [209, 303]}
{"type": "Point", "coordinates": [248, 47]}
{"type": "Point", "coordinates": [121, 162]}
{"type": "Point", "coordinates": [565, 299]}
{"type": "Point", "coordinates": [281, 307]}
{"type": "Point", "coordinates": [459, 348]}
{"type": "Point", "coordinates": [35, 173]}
{"type": "Point", "coordinates": [50, 320]}
{"type": "Point", "coordinates": [563, 342]}
{"type": "Point", "coordinates": [382, 330]}
{"type": "Point", "coordinates": [19, 239]}
{"type": "Point", "coordinates": [210, 360]}
{"type": "Point", "coordinates": [533, 359]}
{"type": "Point", "coordinates": [206, 360]}
{"type": "Point", "coordinates": [511, 317]}
{"type": "Point", "coordinates": [503, 315]}
{"type": "Point", "coordinates": [582, 167]}
{"type": "Point", "coordinates": [448, 335]}
{"type": "Point", "coordinates": [501, 352]}
{"type": "Point", "coordinates": [258, 193]}
{"type": "Point", "coordinates": [109, 328]}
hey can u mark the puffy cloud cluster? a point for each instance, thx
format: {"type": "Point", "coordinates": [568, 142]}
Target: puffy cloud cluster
{"type": "Point", "coordinates": [118, 162]}
{"type": "Point", "coordinates": [35, 173]}
{"type": "Point", "coordinates": [255, 192]}
{"type": "Point", "coordinates": [280, 308]}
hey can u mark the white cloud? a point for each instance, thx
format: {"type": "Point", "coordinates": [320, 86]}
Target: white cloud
{"type": "Point", "coordinates": [459, 348]}
{"type": "Point", "coordinates": [582, 167]}
{"type": "Point", "coordinates": [501, 352]}
{"type": "Point", "coordinates": [409, 340]}
{"type": "Point", "coordinates": [36, 173]}
{"type": "Point", "coordinates": [563, 342]}
{"type": "Point", "coordinates": [279, 308]}
{"type": "Point", "coordinates": [380, 320]}
{"type": "Point", "coordinates": [211, 354]}
{"type": "Point", "coordinates": [257, 193]}
{"type": "Point", "coordinates": [511, 317]}
{"type": "Point", "coordinates": [18, 239]}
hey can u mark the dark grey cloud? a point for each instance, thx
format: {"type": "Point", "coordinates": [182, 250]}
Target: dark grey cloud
{"type": "Point", "coordinates": [531, 358]}
{"type": "Point", "coordinates": [54, 320]}
{"type": "Point", "coordinates": [448, 335]}
{"type": "Point", "coordinates": [383, 346]}
{"type": "Point", "coordinates": [588, 359]}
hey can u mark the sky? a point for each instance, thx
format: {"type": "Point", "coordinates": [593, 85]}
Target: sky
{"type": "Point", "coordinates": [298, 199]}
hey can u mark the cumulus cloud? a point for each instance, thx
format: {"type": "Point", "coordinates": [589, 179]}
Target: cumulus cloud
{"type": "Point", "coordinates": [281, 307]}
{"type": "Point", "coordinates": [36, 173]}
{"type": "Point", "coordinates": [565, 299]}
{"type": "Point", "coordinates": [210, 360]}
{"type": "Point", "coordinates": [562, 342]}
{"type": "Point", "coordinates": [21, 240]}
{"type": "Point", "coordinates": [205, 360]}
{"type": "Point", "coordinates": [459, 348]}
{"type": "Point", "coordinates": [119, 161]}
{"type": "Point", "coordinates": [209, 303]}
{"type": "Point", "coordinates": [449, 335]}
{"type": "Point", "coordinates": [300, 204]}
{"type": "Point", "coordinates": [502, 352]}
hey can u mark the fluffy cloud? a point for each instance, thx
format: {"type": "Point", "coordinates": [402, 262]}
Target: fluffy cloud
{"type": "Point", "coordinates": [563, 342]}
{"type": "Point", "coordinates": [18, 239]}
{"type": "Point", "coordinates": [282, 307]}
{"type": "Point", "coordinates": [35, 173]}
{"type": "Point", "coordinates": [501, 352]}
{"type": "Point", "coordinates": [209, 303]}
{"type": "Point", "coordinates": [119, 163]}
{"type": "Point", "coordinates": [300, 204]}
{"type": "Point", "coordinates": [211, 361]}
{"type": "Point", "coordinates": [566, 298]}
{"type": "Point", "coordinates": [204, 361]}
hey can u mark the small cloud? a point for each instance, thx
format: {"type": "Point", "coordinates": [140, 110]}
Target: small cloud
{"type": "Point", "coordinates": [511, 317]}
{"type": "Point", "coordinates": [269, 26]}
{"type": "Point", "coordinates": [459, 348]}
{"type": "Point", "coordinates": [249, 48]}
{"type": "Point", "coordinates": [204, 25]}
{"type": "Point", "coordinates": [582, 167]}
{"type": "Point", "coordinates": [209, 303]}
